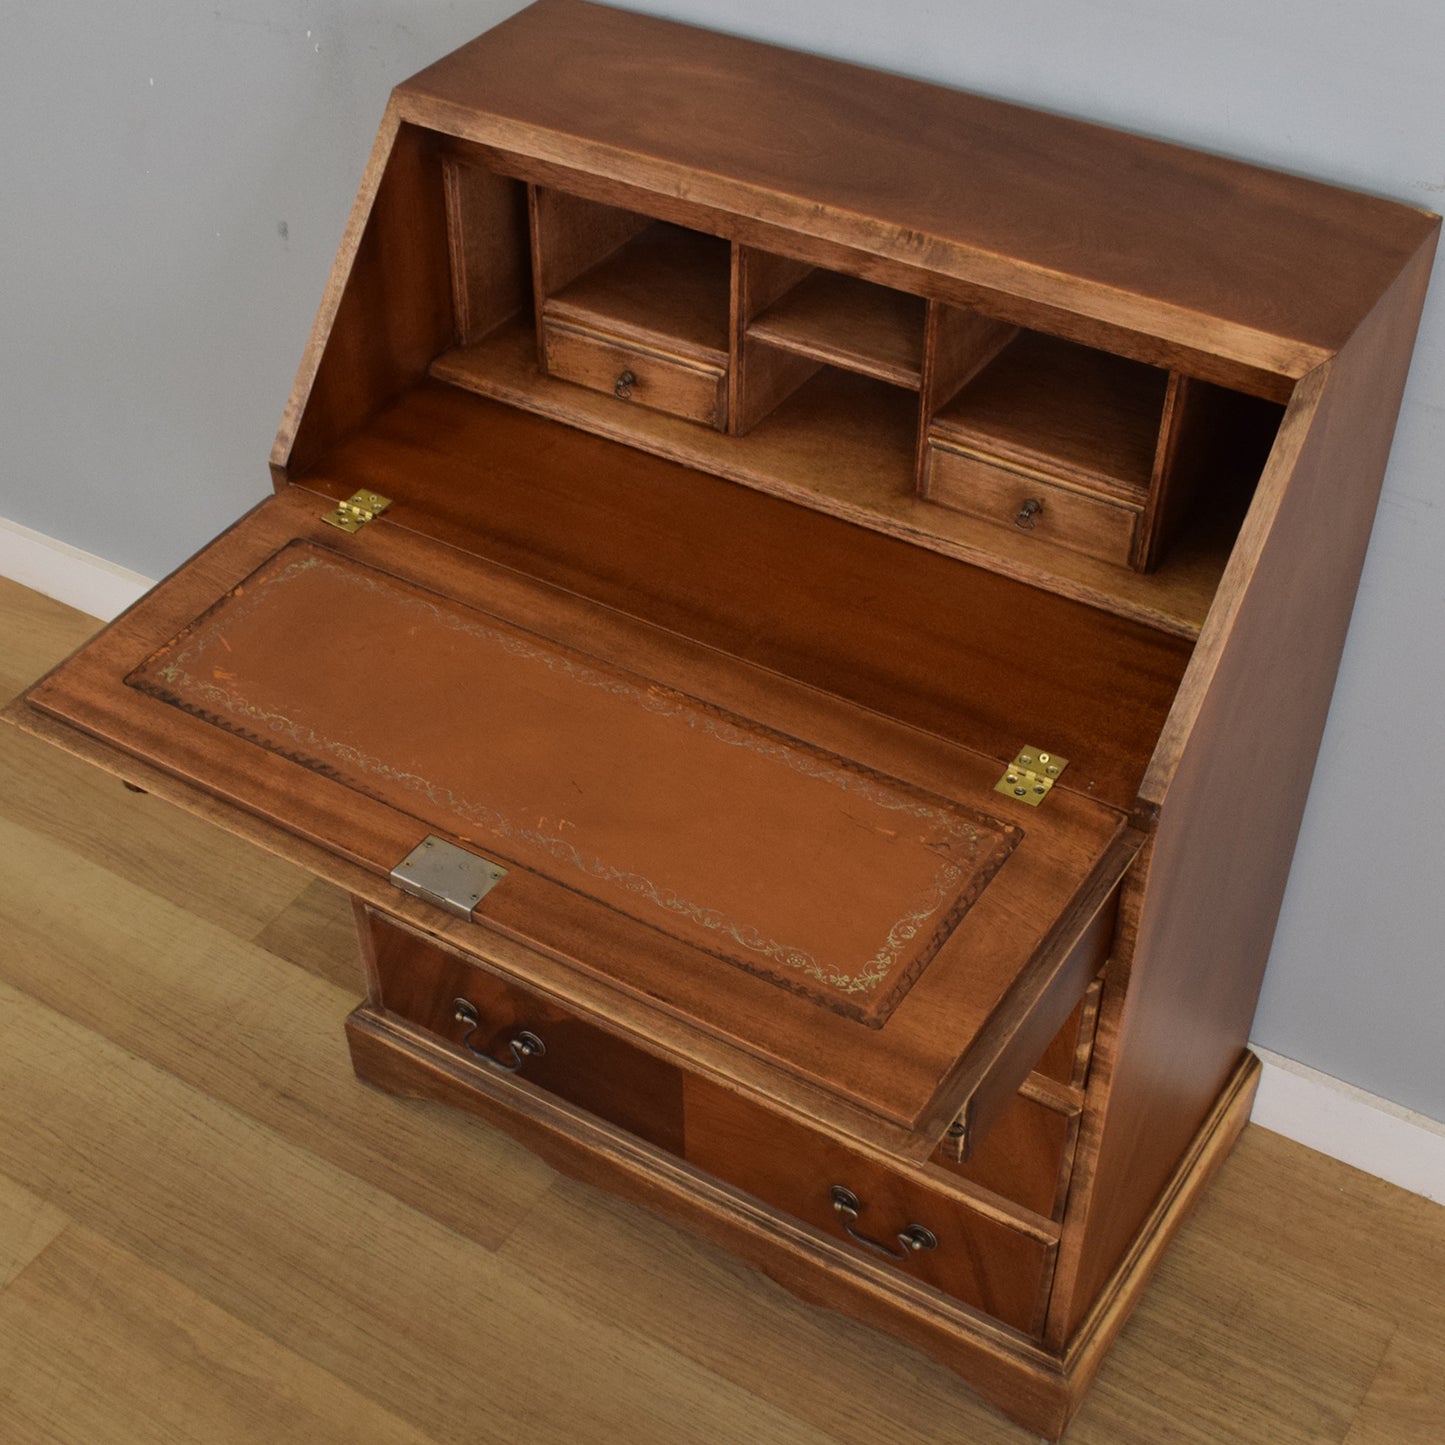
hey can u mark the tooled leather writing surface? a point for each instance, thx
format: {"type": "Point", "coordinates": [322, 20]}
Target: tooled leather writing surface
{"type": "Point", "coordinates": [826, 877]}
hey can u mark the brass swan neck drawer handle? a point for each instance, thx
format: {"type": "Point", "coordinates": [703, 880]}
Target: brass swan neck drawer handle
{"type": "Point", "coordinates": [622, 388]}
{"type": "Point", "coordinates": [912, 1239]}
{"type": "Point", "coordinates": [1025, 515]}
{"type": "Point", "coordinates": [526, 1045]}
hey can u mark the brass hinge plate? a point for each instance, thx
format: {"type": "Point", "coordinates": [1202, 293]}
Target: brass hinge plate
{"type": "Point", "coordinates": [446, 875]}
{"type": "Point", "coordinates": [1031, 776]}
{"type": "Point", "coordinates": [357, 510]}
{"type": "Point", "coordinates": [955, 1142]}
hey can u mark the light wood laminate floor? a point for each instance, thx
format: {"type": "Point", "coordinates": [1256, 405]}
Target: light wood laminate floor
{"type": "Point", "coordinates": [210, 1232]}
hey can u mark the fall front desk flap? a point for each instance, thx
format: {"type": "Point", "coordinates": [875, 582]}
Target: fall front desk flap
{"type": "Point", "coordinates": [801, 878]}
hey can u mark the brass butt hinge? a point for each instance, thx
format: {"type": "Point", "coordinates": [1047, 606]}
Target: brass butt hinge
{"type": "Point", "coordinates": [1031, 775]}
{"type": "Point", "coordinates": [448, 876]}
{"type": "Point", "coordinates": [955, 1142]}
{"type": "Point", "coordinates": [357, 510]}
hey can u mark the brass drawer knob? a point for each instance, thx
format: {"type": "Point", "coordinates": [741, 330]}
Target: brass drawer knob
{"type": "Point", "coordinates": [622, 388]}
{"type": "Point", "coordinates": [1025, 515]}
{"type": "Point", "coordinates": [526, 1045]}
{"type": "Point", "coordinates": [912, 1238]}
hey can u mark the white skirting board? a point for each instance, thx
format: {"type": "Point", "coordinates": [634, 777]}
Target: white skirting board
{"type": "Point", "coordinates": [1383, 1139]}
{"type": "Point", "coordinates": [1294, 1100]}
{"type": "Point", "coordinates": [58, 570]}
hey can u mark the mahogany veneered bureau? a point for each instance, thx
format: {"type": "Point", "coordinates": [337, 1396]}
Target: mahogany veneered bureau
{"type": "Point", "coordinates": [800, 605]}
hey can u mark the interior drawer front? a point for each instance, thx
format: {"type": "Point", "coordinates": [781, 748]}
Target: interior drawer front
{"type": "Point", "coordinates": [634, 374]}
{"type": "Point", "coordinates": [1024, 1156]}
{"type": "Point", "coordinates": [1063, 516]}
{"type": "Point", "coordinates": [979, 1260]}
{"type": "Point", "coordinates": [1066, 1060]}
{"type": "Point", "coordinates": [423, 982]}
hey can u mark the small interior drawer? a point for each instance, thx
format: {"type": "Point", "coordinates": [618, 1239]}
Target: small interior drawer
{"type": "Point", "coordinates": [518, 1032]}
{"type": "Point", "coordinates": [1024, 500]}
{"type": "Point", "coordinates": [635, 375]}
{"type": "Point", "coordinates": [999, 1268]}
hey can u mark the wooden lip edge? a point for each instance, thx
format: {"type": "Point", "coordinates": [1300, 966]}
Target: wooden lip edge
{"type": "Point", "coordinates": [704, 362]}
{"type": "Point", "coordinates": [1096, 487]}
{"type": "Point", "coordinates": [594, 1000]}
{"type": "Point", "coordinates": [977, 1067]}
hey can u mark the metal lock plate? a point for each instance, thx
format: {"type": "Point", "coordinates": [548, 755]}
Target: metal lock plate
{"type": "Point", "coordinates": [1031, 775]}
{"type": "Point", "coordinates": [446, 875]}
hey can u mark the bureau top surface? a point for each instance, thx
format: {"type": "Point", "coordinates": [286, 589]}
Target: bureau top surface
{"type": "Point", "coordinates": [1274, 268]}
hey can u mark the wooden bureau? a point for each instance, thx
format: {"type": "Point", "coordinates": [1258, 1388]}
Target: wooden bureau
{"type": "Point", "coordinates": [800, 605]}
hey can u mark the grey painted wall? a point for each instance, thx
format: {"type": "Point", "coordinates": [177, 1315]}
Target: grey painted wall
{"type": "Point", "coordinates": [174, 179]}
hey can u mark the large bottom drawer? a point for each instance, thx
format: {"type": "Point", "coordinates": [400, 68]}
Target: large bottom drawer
{"type": "Point", "coordinates": [884, 1211]}
{"type": "Point", "coordinates": [990, 1259]}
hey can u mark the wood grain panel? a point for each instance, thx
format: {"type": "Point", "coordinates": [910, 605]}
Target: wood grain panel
{"type": "Point", "coordinates": [1197, 246]}
{"type": "Point", "coordinates": [1405, 1404]}
{"type": "Point", "coordinates": [1265, 668]}
{"type": "Point", "coordinates": [846, 445]}
{"type": "Point", "coordinates": [39, 632]}
{"type": "Point", "coordinates": [490, 252]}
{"type": "Point", "coordinates": [571, 234]}
{"type": "Point", "coordinates": [665, 286]}
{"type": "Point", "coordinates": [317, 932]}
{"type": "Point", "coordinates": [43, 790]}
{"type": "Point", "coordinates": [1083, 416]}
{"type": "Point", "coordinates": [1023, 1156]}
{"type": "Point", "coordinates": [850, 323]}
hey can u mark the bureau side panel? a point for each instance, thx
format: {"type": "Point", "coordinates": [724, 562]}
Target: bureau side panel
{"type": "Point", "coordinates": [387, 310]}
{"type": "Point", "coordinates": [1231, 778]}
